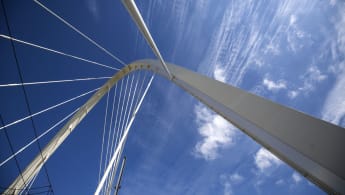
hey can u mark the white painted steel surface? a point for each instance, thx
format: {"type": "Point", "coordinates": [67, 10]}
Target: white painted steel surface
{"type": "Point", "coordinates": [313, 147]}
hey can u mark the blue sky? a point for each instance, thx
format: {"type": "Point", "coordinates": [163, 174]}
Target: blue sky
{"type": "Point", "coordinates": [291, 52]}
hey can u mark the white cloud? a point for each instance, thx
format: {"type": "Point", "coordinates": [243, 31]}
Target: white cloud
{"type": "Point", "coordinates": [296, 37]}
{"type": "Point", "coordinates": [227, 188]}
{"type": "Point", "coordinates": [228, 181]}
{"type": "Point", "coordinates": [219, 73]}
{"type": "Point", "coordinates": [296, 177]}
{"type": "Point", "coordinates": [293, 19]}
{"type": "Point", "coordinates": [264, 160]}
{"type": "Point", "coordinates": [274, 86]}
{"type": "Point", "coordinates": [310, 79]}
{"type": "Point", "coordinates": [334, 107]}
{"type": "Point", "coordinates": [216, 133]}
{"type": "Point", "coordinates": [272, 48]}
{"type": "Point", "coordinates": [340, 29]}
{"type": "Point", "coordinates": [93, 8]}
{"type": "Point", "coordinates": [236, 178]}
{"type": "Point", "coordinates": [314, 74]}
{"type": "Point", "coordinates": [280, 182]}
{"type": "Point", "coordinates": [332, 2]}
{"type": "Point", "coordinates": [233, 46]}
{"type": "Point", "coordinates": [293, 94]}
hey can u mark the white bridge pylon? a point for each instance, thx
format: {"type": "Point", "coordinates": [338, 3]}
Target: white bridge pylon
{"type": "Point", "coordinates": [313, 147]}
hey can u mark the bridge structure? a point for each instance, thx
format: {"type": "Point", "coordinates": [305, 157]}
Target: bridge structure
{"type": "Point", "coordinates": [313, 147]}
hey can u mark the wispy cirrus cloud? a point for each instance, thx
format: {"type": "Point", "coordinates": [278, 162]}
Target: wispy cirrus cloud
{"type": "Point", "coordinates": [236, 178]}
{"type": "Point", "coordinates": [334, 107]}
{"type": "Point", "coordinates": [310, 79]}
{"type": "Point", "coordinates": [280, 182]}
{"type": "Point", "coordinates": [232, 46]}
{"type": "Point", "coordinates": [93, 8]}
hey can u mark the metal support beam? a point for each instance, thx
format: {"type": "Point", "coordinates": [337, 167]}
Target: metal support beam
{"type": "Point", "coordinates": [138, 19]}
{"type": "Point", "coordinates": [313, 147]}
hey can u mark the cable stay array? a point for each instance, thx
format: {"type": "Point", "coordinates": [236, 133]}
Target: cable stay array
{"type": "Point", "coordinates": [56, 51]}
{"type": "Point", "coordinates": [47, 109]}
{"type": "Point", "coordinates": [79, 32]}
{"type": "Point", "coordinates": [122, 104]}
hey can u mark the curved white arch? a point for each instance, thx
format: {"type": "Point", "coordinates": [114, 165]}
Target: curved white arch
{"type": "Point", "coordinates": [36, 164]}
{"type": "Point", "coordinates": [311, 146]}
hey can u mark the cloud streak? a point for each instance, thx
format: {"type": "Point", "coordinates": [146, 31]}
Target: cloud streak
{"type": "Point", "coordinates": [334, 107]}
{"type": "Point", "coordinates": [93, 8]}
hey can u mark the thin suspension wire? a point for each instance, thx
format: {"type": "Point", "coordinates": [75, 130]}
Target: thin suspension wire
{"type": "Point", "coordinates": [122, 116]}
{"type": "Point", "coordinates": [103, 135]}
{"type": "Point", "coordinates": [141, 88]}
{"type": "Point", "coordinates": [47, 109]}
{"type": "Point", "coordinates": [114, 127]}
{"type": "Point", "coordinates": [55, 81]}
{"type": "Point", "coordinates": [56, 51]}
{"type": "Point", "coordinates": [130, 107]}
{"type": "Point", "coordinates": [131, 98]}
{"type": "Point", "coordinates": [37, 138]}
{"type": "Point", "coordinates": [127, 100]}
{"type": "Point", "coordinates": [79, 32]}
{"type": "Point", "coordinates": [109, 145]}
{"type": "Point", "coordinates": [116, 143]}
{"type": "Point", "coordinates": [111, 122]}
{"type": "Point", "coordinates": [115, 140]}
{"type": "Point", "coordinates": [123, 103]}
{"type": "Point", "coordinates": [112, 176]}
{"type": "Point", "coordinates": [106, 173]}
{"type": "Point", "coordinates": [116, 162]}
{"type": "Point", "coordinates": [126, 113]}
{"type": "Point", "coordinates": [24, 90]}
{"type": "Point", "coordinates": [12, 151]}
{"type": "Point", "coordinates": [30, 185]}
{"type": "Point", "coordinates": [116, 116]}
{"type": "Point", "coordinates": [116, 120]}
